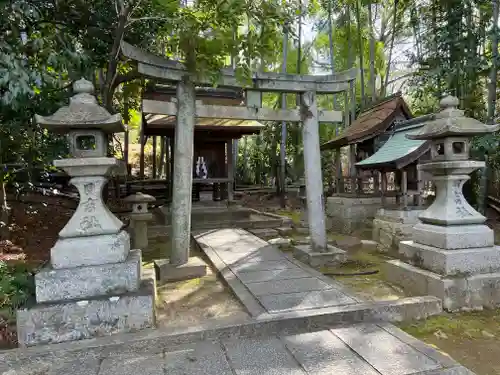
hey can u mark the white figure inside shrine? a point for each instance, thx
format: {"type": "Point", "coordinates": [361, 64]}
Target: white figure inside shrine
{"type": "Point", "coordinates": [201, 168]}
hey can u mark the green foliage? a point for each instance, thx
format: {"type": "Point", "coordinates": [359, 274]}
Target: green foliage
{"type": "Point", "coordinates": [16, 287]}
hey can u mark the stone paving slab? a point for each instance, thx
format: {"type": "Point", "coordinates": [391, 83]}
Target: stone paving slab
{"type": "Point", "coordinates": [282, 264]}
{"type": "Point", "coordinates": [283, 287]}
{"type": "Point", "coordinates": [385, 352]}
{"type": "Point", "coordinates": [261, 356]}
{"type": "Point", "coordinates": [305, 300]}
{"type": "Point", "coordinates": [324, 353]}
{"type": "Point", "coordinates": [274, 274]}
{"type": "Point", "coordinates": [361, 349]}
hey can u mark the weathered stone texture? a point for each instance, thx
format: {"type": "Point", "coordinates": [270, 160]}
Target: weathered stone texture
{"type": "Point", "coordinates": [390, 227]}
{"type": "Point", "coordinates": [89, 281]}
{"type": "Point", "coordinates": [90, 251]}
{"type": "Point", "coordinates": [84, 319]}
{"type": "Point", "coordinates": [347, 214]}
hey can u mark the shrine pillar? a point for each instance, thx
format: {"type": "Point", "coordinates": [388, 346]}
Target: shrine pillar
{"type": "Point", "coordinates": [179, 266]}
{"type": "Point", "coordinates": [314, 179]}
{"type": "Point", "coordinates": [318, 253]}
{"type": "Point", "coordinates": [183, 173]}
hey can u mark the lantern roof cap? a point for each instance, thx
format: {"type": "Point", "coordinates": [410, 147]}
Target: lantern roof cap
{"type": "Point", "coordinates": [139, 198]}
{"type": "Point", "coordinates": [451, 122]}
{"type": "Point", "coordinates": [83, 112]}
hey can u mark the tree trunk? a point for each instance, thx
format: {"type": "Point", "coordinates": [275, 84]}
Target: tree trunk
{"type": "Point", "coordinates": [332, 52]}
{"type": "Point", "coordinates": [283, 125]}
{"type": "Point", "coordinates": [391, 48]}
{"type": "Point", "coordinates": [492, 88]}
{"type": "Point", "coordinates": [372, 56]}
{"type": "Point", "coordinates": [361, 49]}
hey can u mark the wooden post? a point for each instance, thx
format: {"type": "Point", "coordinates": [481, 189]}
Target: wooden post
{"type": "Point", "coordinates": [404, 188]}
{"type": "Point", "coordinates": [230, 169]}
{"type": "Point", "coordinates": [141, 156]}
{"type": "Point", "coordinates": [338, 167]}
{"type": "Point", "coordinates": [384, 187]}
{"type": "Point", "coordinates": [376, 183]}
{"type": "Point", "coordinates": [125, 148]}
{"type": "Point", "coordinates": [153, 166]}
{"type": "Point", "coordinates": [352, 167]}
{"type": "Point", "coordinates": [172, 160]}
{"type": "Point", "coordinates": [420, 187]}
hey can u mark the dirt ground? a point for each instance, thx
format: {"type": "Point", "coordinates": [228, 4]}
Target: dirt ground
{"type": "Point", "coordinates": [191, 302]}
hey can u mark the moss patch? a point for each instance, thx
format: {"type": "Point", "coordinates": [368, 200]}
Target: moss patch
{"type": "Point", "coordinates": [368, 287]}
{"type": "Point", "coordinates": [470, 338]}
{"type": "Point", "coordinates": [294, 215]}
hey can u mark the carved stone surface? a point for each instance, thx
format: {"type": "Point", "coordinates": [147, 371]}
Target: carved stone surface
{"type": "Point", "coordinates": [92, 217]}
{"type": "Point", "coordinates": [85, 319]}
{"type": "Point", "coordinates": [90, 250]}
{"type": "Point", "coordinates": [84, 282]}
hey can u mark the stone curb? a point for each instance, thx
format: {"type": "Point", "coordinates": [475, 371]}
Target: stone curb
{"type": "Point", "coordinates": [155, 341]}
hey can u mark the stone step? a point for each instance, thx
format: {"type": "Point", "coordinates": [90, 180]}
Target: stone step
{"type": "Point", "coordinates": [361, 349]}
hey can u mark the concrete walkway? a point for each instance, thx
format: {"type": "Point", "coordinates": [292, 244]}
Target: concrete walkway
{"type": "Point", "coordinates": [274, 285]}
{"type": "Point", "coordinates": [254, 269]}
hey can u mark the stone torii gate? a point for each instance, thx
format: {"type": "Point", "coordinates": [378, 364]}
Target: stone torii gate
{"type": "Point", "coordinates": [186, 108]}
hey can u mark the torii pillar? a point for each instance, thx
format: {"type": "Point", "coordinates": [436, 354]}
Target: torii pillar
{"type": "Point", "coordinates": [318, 252]}
{"type": "Point", "coordinates": [180, 266]}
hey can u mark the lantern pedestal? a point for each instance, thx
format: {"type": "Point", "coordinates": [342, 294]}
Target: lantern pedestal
{"type": "Point", "coordinates": [93, 285]}
{"type": "Point", "coordinates": [452, 255]}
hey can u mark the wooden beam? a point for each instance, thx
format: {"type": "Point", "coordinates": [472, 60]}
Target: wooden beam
{"type": "Point", "coordinates": [238, 113]}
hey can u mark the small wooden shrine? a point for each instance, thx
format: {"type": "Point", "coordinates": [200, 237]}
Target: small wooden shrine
{"type": "Point", "coordinates": [364, 137]}
{"type": "Point", "coordinates": [400, 155]}
{"type": "Point", "coordinates": [213, 137]}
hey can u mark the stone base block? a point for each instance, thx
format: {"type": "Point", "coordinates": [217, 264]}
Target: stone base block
{"type": "Point", "coordinates": [453, 237]}
{"type": "Point", "coordinates": [85, 282]}
{"type": "Point", "coordinates": [390, 227]}
{"type": "Point", "coordinates": [85, 319]}
{"type": "Point", "coordinates": [90, 251]}
{"type": "Point", "coordinates": [194, 268]}
{"type": "Point", "coordinates": [457, 293]}
{"type": "Point", "coordinates": [332, 257]}
{"type": "Point", "coordinates": [451, 262]}
{"type": "Point", "coordinates": [265, 233]}
{"type": "Point", "coordinates": [349, 213]}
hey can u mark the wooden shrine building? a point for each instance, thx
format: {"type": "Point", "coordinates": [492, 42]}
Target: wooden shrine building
{"type": "Point", "coordinates": [365, 136]}
{"type": "Point", "coordinates": [213, 137]}
{"type": "Point", "coordinates": [400, 155]}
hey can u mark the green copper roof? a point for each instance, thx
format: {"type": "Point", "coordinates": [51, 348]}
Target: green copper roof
{"type": "Point", "coordinates": [397, 147]}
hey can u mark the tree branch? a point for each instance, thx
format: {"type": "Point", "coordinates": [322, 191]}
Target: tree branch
{"type": "Point", "coordinates": [123, 78]}
{"type": "Point", "coordinates": [133, 20]}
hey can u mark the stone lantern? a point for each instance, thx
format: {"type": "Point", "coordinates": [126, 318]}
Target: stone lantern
{"type": "Point", "coordinates": [93, 276]}
{"type": "Point", "coordinates": [452, 255]}
{"type": "Point", "coordinates": [139, 218]}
